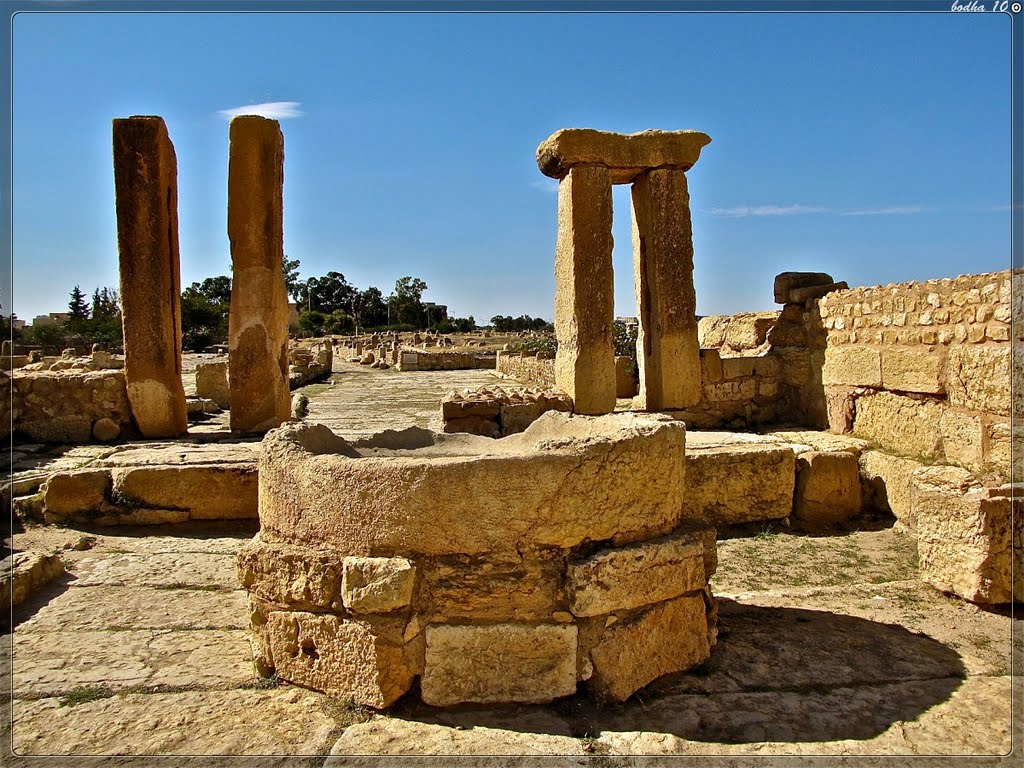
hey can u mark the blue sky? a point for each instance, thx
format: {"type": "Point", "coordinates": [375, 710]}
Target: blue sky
{"type": "Point", "coordinates": [872, 146]}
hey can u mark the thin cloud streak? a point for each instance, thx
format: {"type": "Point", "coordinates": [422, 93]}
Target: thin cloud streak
{"type": "Point", "coordinates": [545, 185]}
{"type": "Point", "coordinates": [275, 110]}
{"type": "Point", "coordinates": [745, 211]}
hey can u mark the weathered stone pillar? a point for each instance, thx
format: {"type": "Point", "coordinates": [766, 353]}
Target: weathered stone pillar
{"type": "Point", "coordinates": [584, 290]}
{"type": "Point", "coordinates": [258, 323]}
{"type": "Point", "coordinates": [668, 353]}
{"type": "Point", "coordinates": [146, 199]}
{"type": "Point", "coordinates": [587, 162]}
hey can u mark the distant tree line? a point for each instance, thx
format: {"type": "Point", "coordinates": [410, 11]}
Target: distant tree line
{"type": "Point", "coordinates": [509, 324]}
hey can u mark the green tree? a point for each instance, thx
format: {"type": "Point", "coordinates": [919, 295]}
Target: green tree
{"type": "Point", "coordinates": [371, 311]}
{"type": "Point", "coordinates": [204, 312]}
{"type": "Point", "coordinates": [311, 323]}
{"type": "Point", "coordinates": [406, 302]}
{"type": "Point", "coordinates": [291, 277]}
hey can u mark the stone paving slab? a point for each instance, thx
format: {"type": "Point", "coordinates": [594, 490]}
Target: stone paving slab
{"type": "Point", "coordinates": [160, 569]}
{"type": "Point", "coordinates": [45, 664]}
{"type": "Point", "coordinates": [281, 721]}
{"type": "Point", "coordinates": [108, 607]}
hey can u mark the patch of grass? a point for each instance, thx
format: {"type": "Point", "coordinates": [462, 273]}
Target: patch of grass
{"type": "Point", "coordinates": [594, 747]}
{"type": "Point", "coordinates": [84, 695]}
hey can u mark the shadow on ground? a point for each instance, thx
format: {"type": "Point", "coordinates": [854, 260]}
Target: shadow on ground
{"type": "Point", "coordinates": [777, 674]}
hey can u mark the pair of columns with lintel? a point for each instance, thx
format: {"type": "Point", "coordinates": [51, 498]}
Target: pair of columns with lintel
{"type": "Point", "coordinates": [587, 164]}
{"type": "Point", "coordinates": [146, 199]}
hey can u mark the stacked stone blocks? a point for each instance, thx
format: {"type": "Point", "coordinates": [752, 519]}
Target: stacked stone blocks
{"type": "Point", "coordinates": [506, 576]}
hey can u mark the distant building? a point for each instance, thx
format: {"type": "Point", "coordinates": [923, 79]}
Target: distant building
{"type": "Point", "coordinates": [629, 322]}
{"type": "Point", "coordinates": [436, 313]}
{"type": "Point", "coordinates": [51, 319]}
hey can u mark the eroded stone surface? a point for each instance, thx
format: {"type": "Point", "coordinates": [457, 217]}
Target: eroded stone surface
{"type": "Point", "coordinates": [499, 663]}
{"type": "Point", "coordinates": [146, 191]}
{"type": "Point", "coordinates": [377, 584]}
{"type": "Point", "coordinates": [625, 155]}
{"type": "Point", "coordinates": [828, 488]}
{"type": "Point", "coordinates": [670, 637]}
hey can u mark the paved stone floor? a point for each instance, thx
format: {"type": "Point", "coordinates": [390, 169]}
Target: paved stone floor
{"type": "Point", "coordinates": [827, 646]}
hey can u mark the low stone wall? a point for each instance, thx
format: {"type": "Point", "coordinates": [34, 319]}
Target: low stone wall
{"type": "Point", "coordinates": [497, 411]}
{"type": "Point", "coordinates": [421, 360]}
{"type": "Point", "coordinates": [528, 369]}
{"type": "Point", "coordinates": [923, 369]}
{"type": "Point", "coordinates": [745, 333]}
{"type": "Point", "coordinates": [70, 406]}
{"type": "Point", "coordinates": [738, 392]}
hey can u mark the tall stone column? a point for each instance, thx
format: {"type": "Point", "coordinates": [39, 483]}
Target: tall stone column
{"type": "Point", "coordinates": [146, 201]}
{"type": "Point", "coordinates": [258, 323]}
{"type": "Point", "coordinates": [584, 290]}
{"type": "Point", "coordinates": [668, 353]}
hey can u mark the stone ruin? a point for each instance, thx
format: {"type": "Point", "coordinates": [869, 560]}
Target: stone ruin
{"type": "Point", "coordinates": [493, 571]}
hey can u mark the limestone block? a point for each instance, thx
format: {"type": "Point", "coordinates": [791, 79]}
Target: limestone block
{"type": "Point", "coordinates": [900, 424]}
{"type": "Point", "coordinates": [625, 377]}
{"type": "Point", "coordinates": [584, 290]}
{"type": "Point", "coordinates": [637, 575]}
{"type": "Point", "coordinates": [787, 281]}
{"type": "Point", "coordinates": [919, 369]}
{"type": "Point", "coordinates": [565, 480]}
{"type": "Point", "coordinates": [852, 366]}
{"type": "Point", "coordinates": [377, 584]}
{"type": "Point", "coordinates": [516, 417]}
{"type": "Point", "coordinates": [463, 407]}
{"type": "Point", "coordinates": [206, 492]}
{"type": "Point", "coordinates": [492, 588]}
{"type": "Point", "coordinates": [733, 484]}
{"type": "Point", "coordinates": [258, 323]}
{"type": "Point", "coordinates": [668, 353]}
{"type": "Point", "coordinates": [962, 438]}
{"type": "Point", "coordinates": [885, 484]}
{"type": "Point", "coordinates": [805, 293]}
{"type": "Point", "coordinates": [978, 377]}
{"type": "Point", "coordinates": [625, 155]}
{"type": "Point", "coordinates": [73, 493]}
{"type": "Point", "coordinates": [711, 365]}
{"type": "Point", "coordinates": [827, 488]}
{"type": "Point", "coordinates": [346, 659]}
{"type": "Point", "coordinates": [840, 404]}
{"type": "Point", "coordinates": [1001, 444]}
{"type": "Point", "coordinates": [106, 430]}
{"type": "Point", "coordinates": [212, 383]}
{"type": "Point", "coordinates": [499, 663]}
{"type": "Point", "coordinates": [474, 425]}
{"type": "Point", "coordinates": [24, 573]}
{"type": "Point", "coordinates": [669, 637]}
{"type": "Point", "coordinates": [967, 536]}
{"type": "Point", "coordinates": [301, 578]}
{"type": "Point", "coordinates": [146, 200]}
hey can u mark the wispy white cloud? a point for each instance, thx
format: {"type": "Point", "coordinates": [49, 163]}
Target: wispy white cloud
{"type": "Point", "coordinates": [889, 210]}
{"type": "Point", "coordinates": [742, 211]}
{"type": "Point", "coordinates": [545, 185]}
{"type": "Point", "coordinates": [276, 110]}
{"type": "Point", "coordinates": [796, 209]}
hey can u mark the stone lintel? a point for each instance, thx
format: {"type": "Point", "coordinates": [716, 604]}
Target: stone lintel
{"type": "Point", "coordinates": [626, 155]}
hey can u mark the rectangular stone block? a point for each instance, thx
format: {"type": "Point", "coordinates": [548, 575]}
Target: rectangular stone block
{"type": "Point", "coordinates": [205, 492]}
{"type": "Point", "coordinates": [377, 584]}
{"type": "Point", "coordinates": [258, 322]}
{"type": "Point", "coordinates": [499, 663]}
{"type": "Point", "coordinates": [827, 488]}
{"type": "Point", "coordinates": [1002, 445]}
{"type": "Point", "coordinates": [584, 290]}
{"type": "Point", "coordinates": [146, 199]}
{"type": "Point", "coordinates": [732, 484]}
{"type": "Point", "coordinates": [920, 369]}
{"type": "Point", "coordinates": [885, 484]}
{"type": "Point", "coordinates": [637, 575]}
{"type": "Point", "coordinates": [668, 353]}
{"type": "Point", "coordinates": [464, 588]}
{"type": "Point", "coordinates": [669, 637]}
{"type": "Point", "coordinates": [900, 424]}
{"type": "Point", "coordinates": [978, 377]}
{"type": "Point", "coordinates": [852, 366]}
{"type": "Point", "coordinates": [69, 494]}
{"type": "Point", "coordinates": [967, 536]}
{"type": "Point", "coordinates": [346, 659]}
{"type": "Point", "coordinates": [301, 578]}
{"type": "Point", "coordinates": [962, 438]}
